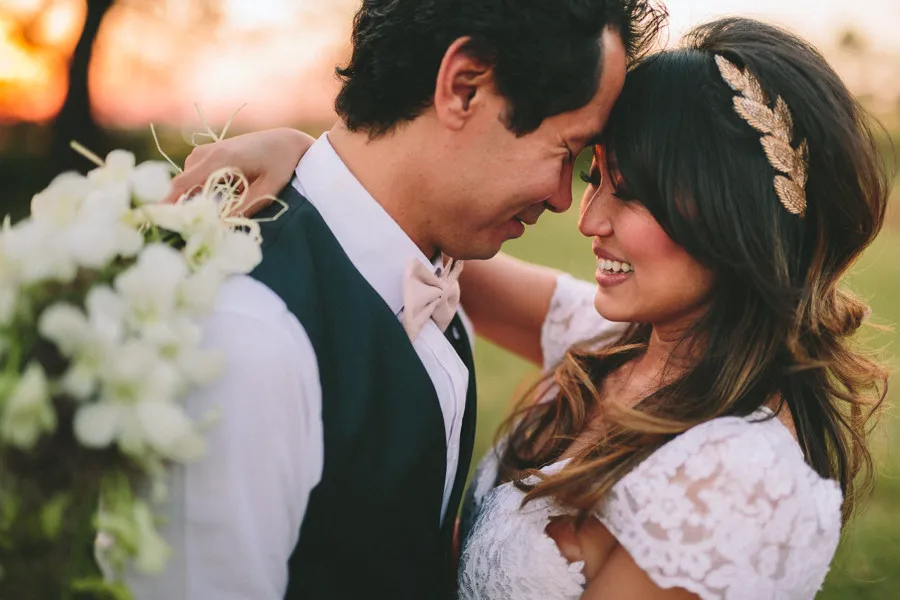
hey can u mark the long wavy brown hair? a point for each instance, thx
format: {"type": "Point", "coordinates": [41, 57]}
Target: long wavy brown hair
{"type": "Point", "coordinates": [779, 326]}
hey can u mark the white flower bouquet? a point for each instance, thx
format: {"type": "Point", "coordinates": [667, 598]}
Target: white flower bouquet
{"type": "Point", "coordinates": [102, 290]}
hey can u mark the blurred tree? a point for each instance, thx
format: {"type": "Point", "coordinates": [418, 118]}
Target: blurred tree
{"type": "Point", "coordinates": [75, 120]}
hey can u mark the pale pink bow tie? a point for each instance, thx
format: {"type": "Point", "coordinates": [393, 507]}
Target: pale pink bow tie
{"type": "Point", "coordinates": [427, 295]}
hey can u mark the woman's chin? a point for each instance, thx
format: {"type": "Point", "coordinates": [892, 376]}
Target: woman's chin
{"type": "Point", "coordinates": [613, 309]}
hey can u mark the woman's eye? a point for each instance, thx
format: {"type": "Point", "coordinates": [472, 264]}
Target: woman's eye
{"type": "Point", "coordinates": [592, 178]}
{"type": "Point", "coordinates": [624, 196]}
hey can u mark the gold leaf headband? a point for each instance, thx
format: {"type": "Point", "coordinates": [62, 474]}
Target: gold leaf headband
{"type": "Point", "coordinates": [752, 104]}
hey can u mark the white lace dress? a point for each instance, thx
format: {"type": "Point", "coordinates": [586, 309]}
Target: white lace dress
{"type": "Point", "coordinates": [728, 510]}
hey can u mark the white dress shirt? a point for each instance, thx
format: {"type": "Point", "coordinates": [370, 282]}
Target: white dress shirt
{"type": "Point", "coordinates": [233, 518]}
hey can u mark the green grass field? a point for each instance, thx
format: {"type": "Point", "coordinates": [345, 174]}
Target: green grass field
{"type": "Point", "coordinates": [868, 563]}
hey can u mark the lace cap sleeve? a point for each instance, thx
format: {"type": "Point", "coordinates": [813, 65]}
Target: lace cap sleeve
{"type": "Point", "coordinates": [729, 510]}
{"type": "Point", "coordinates": [572, 319]}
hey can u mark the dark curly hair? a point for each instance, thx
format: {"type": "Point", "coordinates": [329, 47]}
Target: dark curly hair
{"type": "Point", "coordinates": [545, 54]}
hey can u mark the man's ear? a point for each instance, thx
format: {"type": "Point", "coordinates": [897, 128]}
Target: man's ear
{"type": "Point", "coordinates": [463, 83]}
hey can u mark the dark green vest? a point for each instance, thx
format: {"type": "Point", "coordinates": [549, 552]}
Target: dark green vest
{"type": "Point", "coordinates": [372, 528]}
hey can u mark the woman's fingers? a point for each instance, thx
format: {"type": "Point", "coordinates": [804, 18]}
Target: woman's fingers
{"type": "Point", "coordinates": [193, 178]}
{"type": "Point", "coordinates": [266, 158]}
{"type": "Point", "coordinates": [196, 156]}
{"type": "Point", "coordinates": [259, 196]}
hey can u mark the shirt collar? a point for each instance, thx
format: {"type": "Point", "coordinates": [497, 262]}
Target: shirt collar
{"type": "Point", "coordinates": [372, 240]}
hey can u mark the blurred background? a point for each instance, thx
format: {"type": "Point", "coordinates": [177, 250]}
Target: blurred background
{"type": "Point", "coordinates": [100, 71]}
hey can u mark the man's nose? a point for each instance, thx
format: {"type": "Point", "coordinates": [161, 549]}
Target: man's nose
{"type": "Point", "coordinates": [561, 200]}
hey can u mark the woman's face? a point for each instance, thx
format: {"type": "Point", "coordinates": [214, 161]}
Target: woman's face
{"type": "Point", "coordinates": [643, 276]}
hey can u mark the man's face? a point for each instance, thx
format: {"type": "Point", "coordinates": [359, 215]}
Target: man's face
{"type": "Point", "coordinates": [500, 183]}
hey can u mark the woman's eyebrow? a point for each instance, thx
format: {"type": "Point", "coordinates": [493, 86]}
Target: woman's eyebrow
{"type": "Point", "coordinates": [597, 140]}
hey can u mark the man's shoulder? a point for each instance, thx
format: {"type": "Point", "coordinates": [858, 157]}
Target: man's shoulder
{"type": "Point", "coordinates": [289, 213]}
{"type": "Point", "coordinates": [251, 323]}
{"type": "Point", "coordinates": [245, 296]}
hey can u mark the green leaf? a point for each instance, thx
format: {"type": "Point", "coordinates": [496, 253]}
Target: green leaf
{"type": "Point", "coordinates": [9, 509]}
{"type": "Point", "coordinates": [99, 589]}
{"type": "Point", "coordinates": [52, 515]}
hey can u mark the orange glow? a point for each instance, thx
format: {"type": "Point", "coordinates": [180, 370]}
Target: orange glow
{"type": "Point", "coordinates": [136, 65]}
{"type": "Point", "coordinates": [152, 64]}
{"type": "Point", "coordinates": [33, 58]}
{"type": "Point", "coordinates": [21, 8]}
{"type": "Point", "coordinates": [32, 82]}
{"type": "Point", "coordinates": [59, 26]}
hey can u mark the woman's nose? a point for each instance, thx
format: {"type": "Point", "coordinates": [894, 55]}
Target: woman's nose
{"type": "Point", "coordinates": [595, 218]}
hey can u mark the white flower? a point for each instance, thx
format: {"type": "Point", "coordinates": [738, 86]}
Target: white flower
{"type": "Point", "coordinates": [169, 431]}
{"type": "Point", "coordinates": [91, 244]}
{"type": "Point", "coordinates": [106, 314]}
{"type": "Point", "coordinates": [197, 294]}
{"type": "Point", "coordinates": [28, 412]}
{"type": "Point", "coordinates": [118, 166]}
{"type": "Point", "coordinates": [62, 200]}
{"type": "Point", "coordinates": [136, 407]}
{"type": "Point", "coordinates": [148, 425]}
{"type": "Point", "coordinates": [196, 217]}
{"type": "Point", "coordinates": [151, 182]}
{"type": "Point", "coordinates": [80, 222]}
{"type": "Point", "coordinates": [148, 182]}
{"type": "Point", "coordinates": [66, 326]}
{"type": "Point", "coordinates": [136, 373]}
{"type": "Point", "coordinates": [115, 175]}
{"type": "Point", "coordinates": [232, 252]}
{"type": "Point", "coordinates": [150, 287]}
{"type": "Point", "coordinates": [102, 230]}
{"type": "Point", "coordinates": [95, 241]}
{"type": "Point", "coordinates": [116, 169]}
{"type": "Point", "coordinates": [178, 342]}
{"type": "Point", "coordinates": [209, 240]}
{"type": "Point", "coordinates": [87, 340]}
{"type": "Point", "coordinates": [33, 251]}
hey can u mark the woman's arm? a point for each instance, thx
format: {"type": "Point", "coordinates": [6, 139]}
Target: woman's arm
{"type": "Point", "coordinates": [507, 300]}
{"type": "Point", "coordinates": [266, 158]}
{"type": "Point", "coordinates": [621, 577]}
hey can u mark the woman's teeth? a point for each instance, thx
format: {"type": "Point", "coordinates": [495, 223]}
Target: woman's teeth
{"type": "Point", "coordinates": [614, 266]}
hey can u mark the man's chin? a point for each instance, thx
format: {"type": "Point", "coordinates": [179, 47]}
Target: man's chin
{"type": "Point", "coordinates": [474, 251]}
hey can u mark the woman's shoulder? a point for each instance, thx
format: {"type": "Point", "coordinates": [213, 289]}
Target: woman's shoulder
{"type": "Point", "coordinates": [749, 458]}
{"type": "Point", "coordinates": [729, 503]}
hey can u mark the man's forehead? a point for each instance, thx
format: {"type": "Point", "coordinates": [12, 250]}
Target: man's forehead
{"type": "Point", "coordinates": [596, 113]}
{"type": "Point", "coordinates": [588, 130]}
{"type": "Point", "coordinates": [589, 122]}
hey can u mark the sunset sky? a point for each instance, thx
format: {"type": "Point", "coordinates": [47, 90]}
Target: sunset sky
{"type": "Point", "coordinates": [278, 55]}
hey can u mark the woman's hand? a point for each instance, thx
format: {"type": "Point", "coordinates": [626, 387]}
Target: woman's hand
{"type": "Point", "coordinates": [266, 158]}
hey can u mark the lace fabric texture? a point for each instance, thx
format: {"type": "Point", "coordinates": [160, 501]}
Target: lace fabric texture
{"type": "Point", "coordinates": [507, 555]}
{"type": "Point", "coordinates": [728, 510]}
{"type": "Point", "coordinates": [572, 320]}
